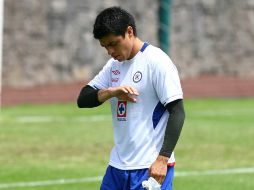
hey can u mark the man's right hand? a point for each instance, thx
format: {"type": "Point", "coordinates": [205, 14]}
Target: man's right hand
{"type": "Point", "coordinates": [125, 93]}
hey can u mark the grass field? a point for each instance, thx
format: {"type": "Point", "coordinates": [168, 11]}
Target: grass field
{"type": "Point", "coordinates": [60, 141]}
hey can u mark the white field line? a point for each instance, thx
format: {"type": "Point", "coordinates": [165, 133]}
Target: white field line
{"type": "Point", "coordinates": [50, 182]}
{"type": "Point", "coordinates": [99, 178]}
{"type": "Point", "coordinates": [105, 117]}
{"type": "Point", "coordinates": [47, 119]}
{"type": "Point", "coordinates": [215, 172]}
{"type": "Point", "coordinates": [222, 112]}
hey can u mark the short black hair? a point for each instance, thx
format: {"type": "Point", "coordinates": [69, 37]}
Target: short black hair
{"type": "Point", "coordinates": [113, 20]}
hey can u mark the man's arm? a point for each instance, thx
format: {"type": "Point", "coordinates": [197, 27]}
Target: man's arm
{"type": "Point", "coordinates": [90, 97]}
{"type": "Point", "coordinates": [174, 127]}
{"type": "Point", "coordinates": [158, 170]}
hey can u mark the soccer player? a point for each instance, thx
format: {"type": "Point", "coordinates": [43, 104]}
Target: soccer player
{"type": "Point", "coordinates": [143, 87]}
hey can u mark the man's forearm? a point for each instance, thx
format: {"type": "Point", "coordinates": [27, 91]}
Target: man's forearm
{"type": "Point", "coordinates": [90, 97]}
{"type": "Point", "coordinates": [173, 128]}
{"type": "Point", "coordinates": [104, 95]}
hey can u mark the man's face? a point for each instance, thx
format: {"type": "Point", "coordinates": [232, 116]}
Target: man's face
{"type": "Point", "coordinates": [118, 47]}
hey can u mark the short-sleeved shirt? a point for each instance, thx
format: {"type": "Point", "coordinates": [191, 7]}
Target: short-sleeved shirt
{"type": "Point", "coordinates": [139, 127]}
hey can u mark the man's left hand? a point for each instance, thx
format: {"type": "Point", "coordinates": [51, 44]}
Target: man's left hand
{"type": "Point", "coordinates": [158, 169]}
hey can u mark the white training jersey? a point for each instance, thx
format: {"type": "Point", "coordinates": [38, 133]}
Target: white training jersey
{"type": "Point", "coordinates": [139, 127]}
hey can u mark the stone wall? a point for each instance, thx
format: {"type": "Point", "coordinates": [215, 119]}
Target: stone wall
{"type": "Point", "coordinates": [50, 41]}
{"type": "Point", "coordinates": [213, 37]}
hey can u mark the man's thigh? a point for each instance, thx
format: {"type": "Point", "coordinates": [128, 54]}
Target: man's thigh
{"type": "Point", "coordinates": [115, 179]}
{"type": "Point", "coordinates": [168, 181]}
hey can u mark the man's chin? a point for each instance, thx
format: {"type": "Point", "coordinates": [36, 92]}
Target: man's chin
{"type": "Point", "coordinates": [118, 58]}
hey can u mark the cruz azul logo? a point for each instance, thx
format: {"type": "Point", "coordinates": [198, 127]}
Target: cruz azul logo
{"type": "Point", "coordinates": [121, 110]}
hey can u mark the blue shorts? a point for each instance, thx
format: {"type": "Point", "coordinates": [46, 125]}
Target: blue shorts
{"type": "Point", "coordinates": [116, 179]}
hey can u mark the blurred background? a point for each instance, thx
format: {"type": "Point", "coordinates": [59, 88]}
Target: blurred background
{"type": "Point", "coordinates": [48, 46]}
{"type": "Point", "coordinates": [49, 54]}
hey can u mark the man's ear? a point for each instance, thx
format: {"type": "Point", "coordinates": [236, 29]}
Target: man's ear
{"type": "Point", "coordinates": [130, 31]}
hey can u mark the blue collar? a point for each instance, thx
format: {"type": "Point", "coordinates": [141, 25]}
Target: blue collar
{"type": "Point", "coordinates": [144, 47]}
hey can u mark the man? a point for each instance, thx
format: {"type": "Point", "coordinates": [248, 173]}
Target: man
{"type": "Point", "coordinates": [144, 90]}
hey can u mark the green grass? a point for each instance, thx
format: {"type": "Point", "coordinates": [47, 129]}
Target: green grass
{"type": "Point", "coordinates": [69, 142]}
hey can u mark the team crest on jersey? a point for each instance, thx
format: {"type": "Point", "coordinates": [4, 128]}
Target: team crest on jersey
{"type": "Point", "coordinates": [121, 110]}
{"type": "Point", "coordinates": [137, 77]}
